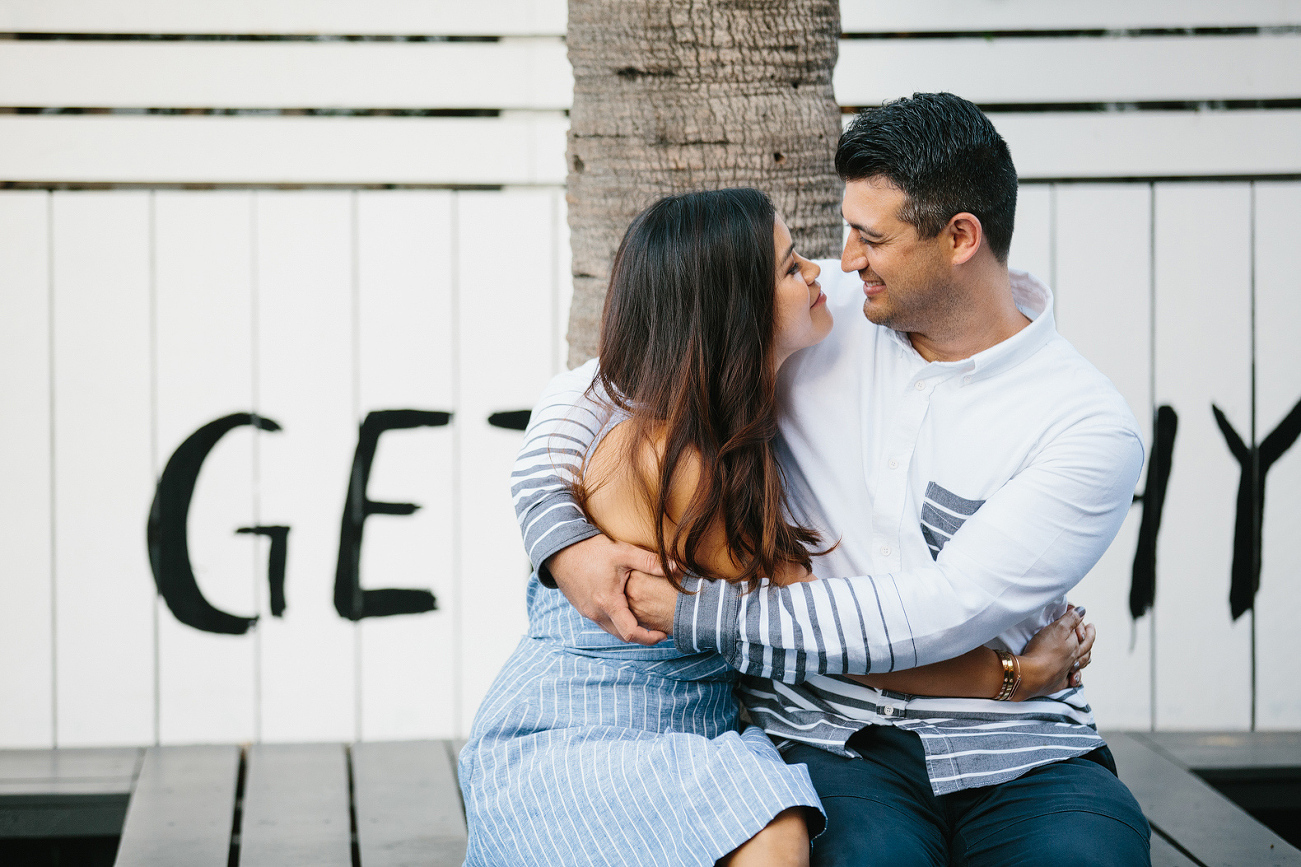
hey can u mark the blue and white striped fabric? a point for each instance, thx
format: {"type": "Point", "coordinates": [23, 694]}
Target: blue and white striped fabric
{"type": "Point", "coordinates": [587, 750]}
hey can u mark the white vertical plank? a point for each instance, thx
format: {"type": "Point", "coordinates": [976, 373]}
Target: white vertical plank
{"type": "Point", "coordinates": [1103, 256]}
{"type": "Point", "coordinates": [564, 282]}
{"type": "Point", "coordinates": [504, 315]}
{"type": "Point", "coordinates": [1203, 356]}
{"type": "Point", "coordinates": [405, 268]}
{"type": "Point", "coordinates": [204, 352]}
{"type": "Point", "coordinates": [305, 381]}
{"type": "Point", "coordinates": [1278, 388]}
{"type": "Point", "coordinates": [103, 480]}
{"type": "Point", "coordinates": [25, 618]}
{"type": "Point", "coordinates": [1032, 242]}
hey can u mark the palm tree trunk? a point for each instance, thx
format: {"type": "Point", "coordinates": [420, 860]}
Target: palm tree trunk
{"type": "Point", "coordinates": [675, 95]}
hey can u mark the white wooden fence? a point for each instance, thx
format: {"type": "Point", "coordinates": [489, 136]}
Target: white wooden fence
{"type": "Point", "coordinates": [314, 210]}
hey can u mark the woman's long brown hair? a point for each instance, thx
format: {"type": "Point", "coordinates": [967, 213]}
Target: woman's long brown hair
{"type": "Point", "coordinates": [686, 348]}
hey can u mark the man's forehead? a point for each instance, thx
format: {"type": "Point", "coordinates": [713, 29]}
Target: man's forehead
{"type": "Point", "coordinates": [871, 200]}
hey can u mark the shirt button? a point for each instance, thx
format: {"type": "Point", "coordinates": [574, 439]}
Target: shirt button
{"type": "Point", "coordinates": [921, 385]}
{"type": "Point", "coordinates": [966, 379]}
{"type": "Point", "coordinates": [894, 465]}
{"type": "Point", "coordinates": [885, 550]}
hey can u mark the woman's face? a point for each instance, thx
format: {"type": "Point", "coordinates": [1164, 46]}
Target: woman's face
{"type": "Point", "coordinates": [800, 308]}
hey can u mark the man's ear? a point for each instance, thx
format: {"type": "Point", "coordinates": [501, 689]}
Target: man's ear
{"type": "Point", "coordinates": [964, 234]}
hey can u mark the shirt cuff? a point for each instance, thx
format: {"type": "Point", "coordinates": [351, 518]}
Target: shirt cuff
{"type": "Point", "coordinates": [707, 617]}
{"type": "Point", "coordinates": [580, 531]}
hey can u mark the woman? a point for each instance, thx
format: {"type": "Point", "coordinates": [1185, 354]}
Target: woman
{"type": "Point", "coordinates": [590, 751]}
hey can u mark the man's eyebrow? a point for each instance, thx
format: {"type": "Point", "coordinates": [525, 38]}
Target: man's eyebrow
{"type": "Point", "coordinates": [871, 233]}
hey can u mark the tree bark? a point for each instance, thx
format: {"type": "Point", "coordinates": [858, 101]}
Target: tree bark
{"type": "Point", "coordinates": [675, 95]}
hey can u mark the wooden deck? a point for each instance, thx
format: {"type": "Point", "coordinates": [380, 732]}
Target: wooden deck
{"type": "Point", "coordinates": [393, 804]}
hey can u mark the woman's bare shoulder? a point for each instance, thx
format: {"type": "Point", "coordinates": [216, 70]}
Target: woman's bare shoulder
{"type": "Point", "coordinates": [622, 478]}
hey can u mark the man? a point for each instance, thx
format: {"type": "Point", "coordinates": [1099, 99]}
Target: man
{"type": "Point", "coordinates": [973, 468]}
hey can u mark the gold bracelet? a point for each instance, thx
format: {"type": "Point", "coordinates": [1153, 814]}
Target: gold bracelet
{"type": "Point", "coordinates": [1011, 675]}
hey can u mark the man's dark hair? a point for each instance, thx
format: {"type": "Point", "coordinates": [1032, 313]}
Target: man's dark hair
{"type": "Point", "coordinates": [944, 154]}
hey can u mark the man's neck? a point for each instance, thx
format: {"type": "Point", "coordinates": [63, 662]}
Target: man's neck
{"type": "Point", "coordinates": [990, 317]}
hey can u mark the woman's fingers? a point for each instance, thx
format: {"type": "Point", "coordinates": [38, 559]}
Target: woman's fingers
{"type": "Point", "coordinates": [1090, 635]}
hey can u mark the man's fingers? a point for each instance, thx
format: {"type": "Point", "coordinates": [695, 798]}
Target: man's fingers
{"type": "Point", "coordinates": [640, 560]}
{"type": "Point", "coordinates": [623, 621]}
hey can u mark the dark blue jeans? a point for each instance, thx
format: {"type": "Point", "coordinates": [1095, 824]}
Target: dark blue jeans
{"type": "Point", "coordinates": [881, 811]}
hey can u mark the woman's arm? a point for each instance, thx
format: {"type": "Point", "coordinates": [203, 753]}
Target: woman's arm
{"type": "Point", "coordinates": [1049, 663]}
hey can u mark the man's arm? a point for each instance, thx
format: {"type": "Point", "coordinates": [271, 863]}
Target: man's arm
{"type": "Point", "coordinates": [568, 551]}
{"type": "Point", "coordinates": [1029, 544]}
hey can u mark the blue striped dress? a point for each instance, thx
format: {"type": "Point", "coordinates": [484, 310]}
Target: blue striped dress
{"type": "Point", "coordinates": [587, 750]}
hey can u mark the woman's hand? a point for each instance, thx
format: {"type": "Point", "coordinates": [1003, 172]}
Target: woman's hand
{"type": "Point", "coordinates": [1053, 658]}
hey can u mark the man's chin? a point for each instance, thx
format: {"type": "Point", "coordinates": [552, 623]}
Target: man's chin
{"type": "Point", "coordinates": [876, 313]}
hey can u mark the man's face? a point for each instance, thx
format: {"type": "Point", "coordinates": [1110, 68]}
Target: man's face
{"type": "Point", "coordinates": [906, 280]}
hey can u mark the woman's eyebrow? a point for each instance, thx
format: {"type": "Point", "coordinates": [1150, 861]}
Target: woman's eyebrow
{"type": "Point", "coordinates": [787, 254]}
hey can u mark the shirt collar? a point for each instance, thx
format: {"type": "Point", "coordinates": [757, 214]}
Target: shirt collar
{"type": "Point", "coordinates": [1035, 300]}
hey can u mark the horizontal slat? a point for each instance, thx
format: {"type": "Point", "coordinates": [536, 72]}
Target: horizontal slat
{"type": "Point", "coordinates": [530, 149]}
{"type": "Point", "coordinates": [1153, 144]}
{"type": "Point", "coordinates": [948, 15]}
{"type": "Point", "coordinates": [1203, 751]}
{"type": "Point", "coordinates": [446, 17]}
{"type": "Point", "coordinates": [535, 73]}
{"type": "Point", "coordinates": [283, 150]}
{"type": "Point", "coordinates": [501, 17]}
{"type": "Point", "coordinates": [1072, 70]}
{"type": "Point", "coordinates": [69, 771]}
{"type": "Point", "coordinates": [510, 74]}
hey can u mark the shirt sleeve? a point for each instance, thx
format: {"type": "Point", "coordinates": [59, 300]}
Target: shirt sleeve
{"type": "Point", "coordinates": [562, 428]}
{"type": "Point", "coordinates": [1030, 543]}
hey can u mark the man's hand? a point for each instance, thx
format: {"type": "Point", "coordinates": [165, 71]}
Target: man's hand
{"type": "Point", "coordinates": [652, 600]}
{"type": "Point", "coordinates": [592, 574]}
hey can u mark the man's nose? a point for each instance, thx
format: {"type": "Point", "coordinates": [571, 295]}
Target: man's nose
{"type": "Point", "coordinates": [852, 258]}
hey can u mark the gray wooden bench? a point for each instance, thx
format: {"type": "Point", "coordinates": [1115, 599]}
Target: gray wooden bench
{"type": "Point", "coordinates": [66, 793]}
{"type": "Point", "coordinates": [397, 803]}
{"type": "Point", "coordinates": [1192, 823]}
{"type": "Point", "coordinates": [390, 804]}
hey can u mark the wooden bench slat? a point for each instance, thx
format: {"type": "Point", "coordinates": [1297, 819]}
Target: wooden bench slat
{"type": "Point", "coordinates": [65, 793]}
{"type": "Point", "coordinates": [182, 808]}
{"type": "Point", "coordinates": [408, 805]}
{"type": "Point", "coordinates": [1166, 855]}
{"type": "Point", "coordinates": [73, 771]}
{"type": "Point", "coordinates": [296, 807]}
{"type": "Point", "coordinates": [1209, 826]}
{"type": "Point", "coordinates": [1255, 770]}
{"type": "Point", "coordinates": [1228, 750]}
